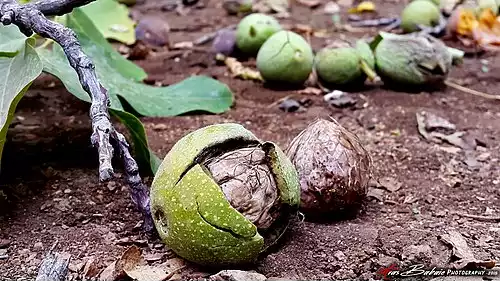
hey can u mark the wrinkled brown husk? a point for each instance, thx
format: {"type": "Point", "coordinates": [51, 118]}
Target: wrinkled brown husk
{"type": "Point", "coordinates": [248, 184]}
{"type": "Point", "coordinates": [333, 167]}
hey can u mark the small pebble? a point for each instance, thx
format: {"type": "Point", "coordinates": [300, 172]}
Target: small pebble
{"type": "Point", "coordinates": [4, 243]}
{"type": "Point", "coordinates": [38, 246]}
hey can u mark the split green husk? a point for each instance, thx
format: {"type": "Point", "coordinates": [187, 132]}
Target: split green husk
{"type": "Point", "coordinates": [200, 207]}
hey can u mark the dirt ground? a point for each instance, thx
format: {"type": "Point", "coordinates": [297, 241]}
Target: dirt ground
{"type": "Point", "coordinates": [49, 170]}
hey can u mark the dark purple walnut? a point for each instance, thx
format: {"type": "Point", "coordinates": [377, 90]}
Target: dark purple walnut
{"type": "Point", "coordinates": [153, 30]}
{"type": "Point", "coordinates": [334, 168]}
{"type": "Point", "coordinates": [224, 42]}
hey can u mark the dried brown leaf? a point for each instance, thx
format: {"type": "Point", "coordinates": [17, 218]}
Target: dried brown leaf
{"type": "Point", "coordinates": [147, 273]}
{"type": "Point", "coordinates": [310, 91]}
{"type": "Point", "coordinates": [462, 252]}
{"type": "Point", "coordinates": [391, 184]}
{"type": "Point", "coordinates": [239, 71]}
{"type": "Point", "coordinates": [309, 3]}
{"type": "Point", "coordinates": [109, 273]}
{"type": "Point", "coordinates": [131, 258]}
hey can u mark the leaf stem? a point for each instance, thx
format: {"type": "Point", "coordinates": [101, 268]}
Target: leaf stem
{"type": "Point", "coordinates": [45, 44]}
{"type": "Point", "coordinates": [372, 75]}
{"type": "Point", "coordinates": [471, 91]}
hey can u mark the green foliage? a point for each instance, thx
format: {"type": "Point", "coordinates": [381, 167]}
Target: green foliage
{"type": "Point", "coordinates": [122, 79]}
{"type": "Point", "coordinates": [112, 20]}
{"type": "Point", "coordinates": [19, 66]}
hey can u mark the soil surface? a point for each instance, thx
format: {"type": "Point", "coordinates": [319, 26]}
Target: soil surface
{"type": "Point", "coordinates": [49, 171]}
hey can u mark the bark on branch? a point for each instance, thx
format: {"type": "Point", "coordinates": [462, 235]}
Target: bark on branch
{"type": "Point", "coordinates": [31, 18]}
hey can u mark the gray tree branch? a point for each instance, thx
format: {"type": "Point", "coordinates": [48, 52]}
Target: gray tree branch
{"type": "Point", "coordinates": [31, 18]}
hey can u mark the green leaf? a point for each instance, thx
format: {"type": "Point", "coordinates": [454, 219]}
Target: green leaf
{"type": "Point", "coordinates": [145, 157]}
{"type": "Point", "coordinates": [83, 26]}
{"type": "Point", "coordinates": [112, 20]}
{"type": "Point", "coordinates": [122, 79]}
{"type": "Point", "coordinates": [17, 72]}
{"type": "Point", "coordinates": [197, 93]}
{"type": "Point", "coordinates": [11, 40]}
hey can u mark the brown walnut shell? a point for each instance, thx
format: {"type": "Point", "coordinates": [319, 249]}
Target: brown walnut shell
{"type": "Point", "coordinates": [334, 168]}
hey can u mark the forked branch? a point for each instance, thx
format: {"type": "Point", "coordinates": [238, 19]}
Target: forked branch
{"type": "Point", "coordinates": [32, 18]}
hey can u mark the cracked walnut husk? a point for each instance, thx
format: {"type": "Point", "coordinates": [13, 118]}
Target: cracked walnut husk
{"type": "Point", "coordinates": [221, 196]}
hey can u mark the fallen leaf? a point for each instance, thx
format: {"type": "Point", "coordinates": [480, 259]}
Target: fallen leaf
{"type": "Point", "coordinates": [146, 273]}
{"type": "Point", "coordinates": [90, 270]}
{"type": "Point", "coordinates": [462, 252]}
{"type": "Point", "coordinates": [183, 45]}
{"type": "Point", "coordinates": [363, 7]}
{"type": "Point", "coordinates": [410, 199]}
{"type": "Point", "coordinates": [279, 6]}
{"type": "Point", "coordinates": [339, 99]}
{"type": "Point", "coordinates": [238, 70]}
{"type": "Point", "coordinates": [309, 3]}
{"type": "Point", "coordinates": [376, 193]}
{"type": "Point", "coordinates": [433, 122]}
{"type": "Point", "coordinates": [109, 273]}
{"type": "Point", "coordinates": [268, 6]}
{"type": "Point", "coordinates": [454, 139]}
{"type": "Point", "coordinates": [389, 183]}
{"type": "Point", "coordinates": [154, 257]}
{"type": "Point", "coordinates": [238, 275]}
{"type": "Point", "coordinates": [331, 8]}
{"type": "Point", "coordinates": [345, 3]}
{"type": "Point", "coordinates": [129, 259]}
{"type": "Point", "coordinates": [487, 32]}
{"type": "Point", "coordinates": [310, 91]}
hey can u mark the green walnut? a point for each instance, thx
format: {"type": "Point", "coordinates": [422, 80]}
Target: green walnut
{"type": "Point", "coordinates": [253, 30]}
{"type": "Point", "coordinates": [412, 59]}
{"type": "Point", "coordinates": [345, 65]}
{"type": "Point", "coordinates": [285, 57]}
{"type": "Point", "coordinates": [419, 12]}
{"type": "Point", "coordinates": [222, 196]}
{"type": "Point", "coordinates": [366, 53]}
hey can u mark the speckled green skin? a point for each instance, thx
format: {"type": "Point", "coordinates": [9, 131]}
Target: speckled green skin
{"type": "Point", "coordinates": [253, 30]}
{"type": "Point", "coordinates": [339, 66]}
{"type": "Point", "coordinates": [419, 12]}
{"type": "Point", "coordinates": [400, 59]}
{"type": "Point", "coordinates": [190, 211]}
{"type": "Point", "coordinates": [285, 57]}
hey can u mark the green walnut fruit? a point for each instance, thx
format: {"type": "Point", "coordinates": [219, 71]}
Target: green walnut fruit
{"type": "Point", "coordinates": [366, 53]}
{"type": "Point", "coordinates": [285, 57]}
{"type": "Point", "coordinates": [419, 12]}
{"type": "Point", "coordinates": [344, 66]}
{"type": "Point", "coordinates": [412, 59]}
{"type": "Point", "coordinates": [221, 196]}
{"type": "Point", "coordinates": [253, 30]}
